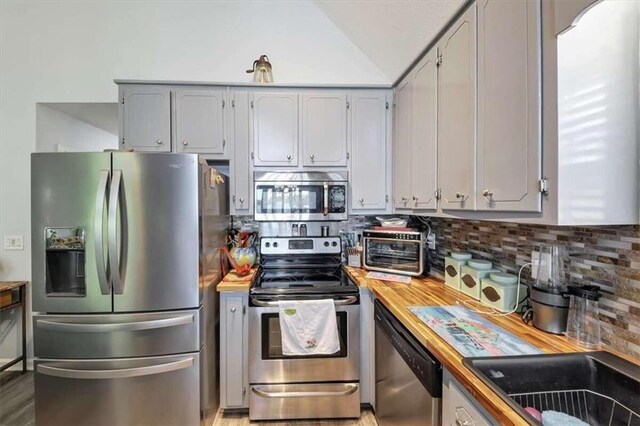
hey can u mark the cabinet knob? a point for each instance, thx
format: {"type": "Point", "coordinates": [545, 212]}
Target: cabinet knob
{"type": "Point", "coordinates": [487, 194]}
{"type": "Point", "coordinates": [460, 422]}
{"type": "Point", "coordinates": [405, 200]}
{"type": "Point", "coordinates": [460, 195]}
{"type": "Point", "coordinates": [414, 198]}
{"type": "Point", "coordinates": [241, 200]}
{"type": "Point", "coordinates": [361, 200]}
{"type": "Point", "coordinates": [185, 143]}
{"type": "Point", "coordinates": [312, 157]}
{"type": "Point", "coordinates": [289, 157]}
{"type": "Point", "coordinates": [233, 310]}
{"type": "Point", "coordinates": [159, 142]}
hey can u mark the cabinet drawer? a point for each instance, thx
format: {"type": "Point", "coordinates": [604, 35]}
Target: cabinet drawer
{"type": "Point", "coordinates": [459, 410]}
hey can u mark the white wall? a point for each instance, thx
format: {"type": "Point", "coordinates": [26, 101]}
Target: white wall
{"type": "Point", "coordinates": [70, 51]}
{"type": "Point", "coordinates": [55, 130]}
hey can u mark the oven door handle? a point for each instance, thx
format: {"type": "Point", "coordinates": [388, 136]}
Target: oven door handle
{"type": "Point", "coordinates": [349, 300]}
{"type": "Point", "coordinates": [350, 389]}
{"type": "Point", "coordinates": [325, 209]}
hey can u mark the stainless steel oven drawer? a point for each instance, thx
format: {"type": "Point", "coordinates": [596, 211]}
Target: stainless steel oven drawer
{"type": "Point", "coordinates": [304, 401]}
{"type": "Point", "coordinates": [116, 335]}
{"type": "Point", "coordinates": [139, 391]}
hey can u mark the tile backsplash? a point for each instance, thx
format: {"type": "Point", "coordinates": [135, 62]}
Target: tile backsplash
{"type": "Point", "coordinates": [608, 256]}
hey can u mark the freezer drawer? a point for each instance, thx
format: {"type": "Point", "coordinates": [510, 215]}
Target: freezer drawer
{"type": "Point", "coordinates": [141, 391]}
{"type": "Point", "coordinates": [304, 401]}
{"type": "Point", "coordinates": [116, 335]}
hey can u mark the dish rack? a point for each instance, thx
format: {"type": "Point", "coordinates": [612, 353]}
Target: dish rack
{"type": "Point", "coordinates": [590, 407]}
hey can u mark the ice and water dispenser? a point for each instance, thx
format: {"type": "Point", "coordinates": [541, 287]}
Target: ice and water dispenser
{"type": "Point", "coordinates": [65, 262]}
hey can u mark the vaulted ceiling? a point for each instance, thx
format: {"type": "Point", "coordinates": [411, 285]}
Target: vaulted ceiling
{"type": "Point", "coordinates": [391, 33]}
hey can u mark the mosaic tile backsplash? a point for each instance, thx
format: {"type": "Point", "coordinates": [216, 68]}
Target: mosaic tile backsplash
{"type": "Point", "coordinates": [608, 256]}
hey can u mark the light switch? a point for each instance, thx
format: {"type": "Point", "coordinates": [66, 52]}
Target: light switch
{"type": "Point", "coordinates": [13, 242]}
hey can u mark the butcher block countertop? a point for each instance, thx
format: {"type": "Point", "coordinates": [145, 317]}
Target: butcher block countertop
{"type": "Point", "coordinates": [432, 292]}
{"type": "Point", "coordinates": [235, 282]}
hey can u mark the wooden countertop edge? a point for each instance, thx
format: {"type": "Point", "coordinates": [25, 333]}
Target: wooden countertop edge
{"type": "Point", "coordinates": [446, 354]}
{"type": "Point", "coordinates": [10, 285]}
{"type": "Point", "coordinates": [233, 283]}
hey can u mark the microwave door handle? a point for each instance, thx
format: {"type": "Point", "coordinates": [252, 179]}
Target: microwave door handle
{"type": "Point", "coordinates": [114, 260]}
{"type": "Point", "coordinates": [101, 264]}
{"type": "Point", "coordinates": [325, 210]}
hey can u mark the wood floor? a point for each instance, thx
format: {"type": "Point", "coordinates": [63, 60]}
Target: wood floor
{"type": "Point", "coordinates": [17, 409]}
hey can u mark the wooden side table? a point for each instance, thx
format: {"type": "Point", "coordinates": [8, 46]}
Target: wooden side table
{"type": "Point", "coordinates": [7, 301]}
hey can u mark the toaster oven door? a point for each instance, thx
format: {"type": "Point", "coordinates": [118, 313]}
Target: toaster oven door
{"type": "Point", "coordinates": [393, 255]}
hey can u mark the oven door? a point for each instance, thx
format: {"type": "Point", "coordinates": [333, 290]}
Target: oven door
{"type": "Point", "coordinates": [268, 365]}
{"type": "Point", "coordinates": [393, 255]}
{"type": "Point", "coordinates": [289, 201]}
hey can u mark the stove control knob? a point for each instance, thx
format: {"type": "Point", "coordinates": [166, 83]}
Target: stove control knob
{"type": "Point", "coordinates": [326, 243]}
{"type": "Point", "coordinates": [267, 245]}
{"type": "Point", "coordinates": [334, 244]}
{"type": "Point", "coordinates": [275, 244]}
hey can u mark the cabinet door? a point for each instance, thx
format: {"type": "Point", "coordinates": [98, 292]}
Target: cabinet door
{"type": "Point", "coordinates": [424, 116]}
{"type": "Point", "coordinates": [241, 181]}
{"type": "Point", "coordinates": [369, 179]}
{"type": "Point", "coordinates": [234, 379]}
{"type": "Point", "coordinates": [457, 114]}
{"type": "Point", "coordinates": [509, 145]}
{"type": "Point", "coordinates": [199, 121]}
{"type": "Point", "coordinates": [402, 149]}
{"type": "Point", "coordinates": [146, 118]}
{"type": "Point", "coordinates": [324, 129]}
{"type": "Point", "coordinates": [275, 129]}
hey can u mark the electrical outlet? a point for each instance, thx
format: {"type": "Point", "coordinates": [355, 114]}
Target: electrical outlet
{"type": "Point", "coordinates": [13, 242]}
{"type": "Point", "coordinates": [431, 241]}
{"type": "Point", "coordinates": [540, 264]}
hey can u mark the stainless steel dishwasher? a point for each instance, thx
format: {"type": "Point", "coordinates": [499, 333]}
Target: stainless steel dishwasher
{"type": "Point", "coordinates": [408, 377]}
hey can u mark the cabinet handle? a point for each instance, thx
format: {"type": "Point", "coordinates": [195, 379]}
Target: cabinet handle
{"type": "Point", "coordinates": [312, 157]}
{"type": "Point", "coordinates": [159, 142]}
{"type": "Point", "coordinates": [241, 200]}
{"type": "Point", "coordinates": [487, 194]}
{"type": "Point", "coordinates": [361, 200]}
{"type": "Point", "coordinates": [460, 422]}
{"type": "Point", "coordinates": [460, 196]}
{"type": "Point", "coordinates": [289, 157]}
{"type": "Point", "coordinates": [233, 310]}
{"type": "Point", "coordinates": [414, 198]}
{"type": "Point", "coordinates": [405, 200]}
{"type": "Point", "coordinates": [185, 143]}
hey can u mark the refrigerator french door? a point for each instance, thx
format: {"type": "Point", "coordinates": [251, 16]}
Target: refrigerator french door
{"type": "Point", "coordinates": [125, 253]}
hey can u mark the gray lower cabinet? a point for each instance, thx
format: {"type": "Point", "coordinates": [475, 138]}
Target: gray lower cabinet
{"type": "Point", "coordinates": [458, 406]}
{"type": "Point", "coordinates": [145, 118]}
{"type": "Point", "coordinates": [234, 356]}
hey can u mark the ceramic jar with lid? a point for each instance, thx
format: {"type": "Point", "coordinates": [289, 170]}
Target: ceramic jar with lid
{"type": "Point", "coordinates": [499, 291]}
{"type": "Point", "coordinates": [453, 266]}
{"type": "Point", "coordinates": [471, 275]}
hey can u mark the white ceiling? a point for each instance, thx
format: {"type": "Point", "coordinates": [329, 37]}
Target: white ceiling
{"type": "Point", "coordinates": [104, 116]}
{"type": "Point", "coordinates": [392, 33]}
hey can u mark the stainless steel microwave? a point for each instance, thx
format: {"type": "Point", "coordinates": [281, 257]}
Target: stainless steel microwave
{"type": "Point", "coordinates": [396, 251]}
{"type": "Point", "coordinates": [291, 196]}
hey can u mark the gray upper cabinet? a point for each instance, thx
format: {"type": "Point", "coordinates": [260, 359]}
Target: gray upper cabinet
{"type": "Point", "coordinates": [145, 118]}
{"type": "Point", "coordinates": [424, 116]}
{"type": "Point", "coordinates": [275, 129]}
{"type": "Point", "coordinates": [402, 148]}
{"type": "Point", "coordinates": [199, 122]}
{"type": "Point", "coordinates": [324, 129]}
{"type": "Point", "coordinates": [457, 114]}
{"type": "Point", "coordinates": [240, 167]}
{"type": "Point", "coordinates": [509, 143]}
{"type": "Point", "coordinates": [369, 175]}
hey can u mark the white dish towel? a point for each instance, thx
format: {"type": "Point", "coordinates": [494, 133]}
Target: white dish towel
{"type": "Point", "coordinates": [309, 327]}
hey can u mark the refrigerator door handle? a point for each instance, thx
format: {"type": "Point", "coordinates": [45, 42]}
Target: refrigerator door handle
{"type": "Point", "coordinates": [123, 326]}
{"type": "Point", "coordinates": [114, 260]}
{"type": "Point", "coordinates": [117, 373]}
{"type": "Point", "coordinates": [101, 265]}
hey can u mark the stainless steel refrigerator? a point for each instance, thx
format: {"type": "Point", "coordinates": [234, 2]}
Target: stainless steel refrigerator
{"type": "Point", "coordinates": [125, 260]}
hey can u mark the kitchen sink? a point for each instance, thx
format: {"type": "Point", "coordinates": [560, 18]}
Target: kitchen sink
{"type": "Point", "coordinates": [599, 388]}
